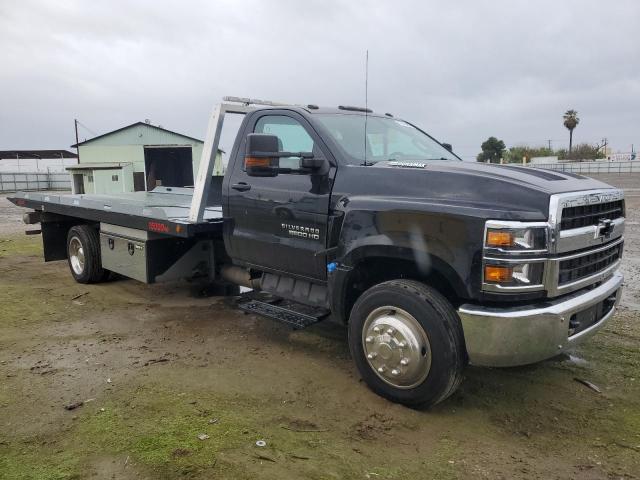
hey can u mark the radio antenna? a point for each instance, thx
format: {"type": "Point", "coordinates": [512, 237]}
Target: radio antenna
{"type": "Point", "coordinates": [366, 103]}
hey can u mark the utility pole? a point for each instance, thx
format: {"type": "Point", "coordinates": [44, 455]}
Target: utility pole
{"type": "Point", "coordinates": [75, 122]}
{"type": "Point", "coordinates": [549, 143]}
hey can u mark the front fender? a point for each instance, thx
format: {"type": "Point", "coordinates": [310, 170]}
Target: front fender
{"type": "Point", "coordinates": [451, 244]}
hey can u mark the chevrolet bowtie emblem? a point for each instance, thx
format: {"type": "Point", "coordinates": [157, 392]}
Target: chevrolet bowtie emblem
{"type": "Point", "coordinates": [604, 228]}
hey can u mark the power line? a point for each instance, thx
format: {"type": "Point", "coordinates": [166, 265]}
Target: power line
{"type": "Point", "coordinates": [86, 128]}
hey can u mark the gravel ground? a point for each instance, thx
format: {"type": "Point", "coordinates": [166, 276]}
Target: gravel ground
{"type": "Point", "coordinates": [11, 216]}
{"type": "Point", "coordinates": [181, 387]}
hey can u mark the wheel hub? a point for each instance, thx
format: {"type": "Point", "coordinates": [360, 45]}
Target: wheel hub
{"type": "Point", "coordinates": [76, 255]}
{"type": "Point", "coordinates": [396, 347]}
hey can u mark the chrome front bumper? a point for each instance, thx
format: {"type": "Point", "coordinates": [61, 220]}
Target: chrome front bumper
{"type": "Point", "coordinates": [504, 337]}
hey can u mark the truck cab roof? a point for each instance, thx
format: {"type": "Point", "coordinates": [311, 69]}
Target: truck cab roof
{"type": "Point", "coordinates": [340, 110]}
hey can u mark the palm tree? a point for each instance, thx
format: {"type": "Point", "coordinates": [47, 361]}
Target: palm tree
{"type": "Point", "coordinates": [571, 121]}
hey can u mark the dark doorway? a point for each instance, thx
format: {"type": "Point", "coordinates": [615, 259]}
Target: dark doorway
{"type": "Point", "coordinates": [168, 167]}
{"type": "Point", "coordinates": [78, 183]}
{"type": "Point", "coordinates": [138, 182]}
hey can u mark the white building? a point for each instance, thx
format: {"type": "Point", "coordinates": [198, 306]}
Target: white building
{"type": "Point", "coordinates": [138, 157]}
{"type": "Point", "coordinates": [622, 157]}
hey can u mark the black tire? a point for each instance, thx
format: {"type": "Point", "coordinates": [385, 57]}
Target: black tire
{"type": "Point", "coordinates": [91, 270]}
{"type": "Point", "coordinates": [443, 330]}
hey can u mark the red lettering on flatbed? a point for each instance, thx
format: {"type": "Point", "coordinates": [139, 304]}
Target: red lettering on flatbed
{"type": "Point", "coordinates": [158, 227]}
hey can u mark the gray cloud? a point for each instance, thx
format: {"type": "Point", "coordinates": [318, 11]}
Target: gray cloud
{"type": "Point", "coordinates": [461, 70]}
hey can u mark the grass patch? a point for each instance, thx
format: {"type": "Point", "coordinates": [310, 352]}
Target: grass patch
{"type": "Point", "coordinates": [158, 428]}
{"type": "Point", "coordinates": [20, 307]}
{"type": "Point", "coordinates": [19, 304]}
{"type": "Point", "coordinates": [32, 291]}
{"type": "Point", "coordinates": [31, 462]}
{"type": "Point", "coordinates": [20, 245]}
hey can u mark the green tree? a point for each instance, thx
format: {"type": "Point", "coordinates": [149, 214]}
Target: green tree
{"type": "Point", "coordinates": [515, 154]}
{"type": "Point", "coordinates": [582, 151]}
{"type": "Point", "coordinates": [492, 150]}
{"type": "Point", "coordinates": [571, 121]}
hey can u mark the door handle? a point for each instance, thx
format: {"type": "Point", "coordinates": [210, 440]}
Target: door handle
{"type": "Point", "coordinates": [241, 187]}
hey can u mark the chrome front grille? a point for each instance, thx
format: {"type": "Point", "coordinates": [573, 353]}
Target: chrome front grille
{"type": "Point", "coordinates": [578, 268]}
{"type": "Point", "coordinates": [581, 220]}
{"type": "Point", "coordinates": [587, 239]}
{"type": "Point", "coordinates": [569, 272]}
{"type": "Point", "coordinates": [593, 214]}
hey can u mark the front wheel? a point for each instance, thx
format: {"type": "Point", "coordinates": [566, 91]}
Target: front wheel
{"type": "Point", "coordinates": [407, 342]}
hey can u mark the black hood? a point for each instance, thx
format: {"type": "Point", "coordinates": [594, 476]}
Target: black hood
{"type": "Point", "coordinates": [492, 191]}
{"type": "Point", "coordinates": [548, 181]}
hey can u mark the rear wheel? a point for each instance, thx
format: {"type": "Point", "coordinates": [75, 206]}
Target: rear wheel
{"type": "Point", "coordinates": [407, 342]}
{"type": "Point", "coordinates": [83, 255]}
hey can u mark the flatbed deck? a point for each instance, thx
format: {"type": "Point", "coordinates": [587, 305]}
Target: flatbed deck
{"type": "Point", "coordinates": [163, 210]}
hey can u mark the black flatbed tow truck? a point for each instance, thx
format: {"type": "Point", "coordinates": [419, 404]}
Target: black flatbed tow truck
{"type": "Point", "coordinates": [431, 262]}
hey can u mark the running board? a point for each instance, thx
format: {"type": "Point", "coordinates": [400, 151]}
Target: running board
{"type": "Point", "coordinates": [285, 311]}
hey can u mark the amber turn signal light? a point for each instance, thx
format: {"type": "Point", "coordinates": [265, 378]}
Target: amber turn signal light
{"type": "Point", "coordinates": [499, 238]}
{"type": "Point", "coordinates": [257, 161]}
{"type": "Point", "coordinates": [497, 274]}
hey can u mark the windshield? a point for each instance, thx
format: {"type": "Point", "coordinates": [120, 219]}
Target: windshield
{"type": "Point", "coordinates": [388, 139]}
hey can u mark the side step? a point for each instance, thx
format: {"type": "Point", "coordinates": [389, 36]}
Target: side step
{"type": "Point", "coordinates": [297, 315]}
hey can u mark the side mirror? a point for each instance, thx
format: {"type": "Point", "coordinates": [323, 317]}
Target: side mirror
{"type": "Point", "coordinates": [261, 157]}
{"type": "Point", "coordinates": [448, 147]}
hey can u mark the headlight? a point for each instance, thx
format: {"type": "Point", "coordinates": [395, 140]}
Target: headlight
{"type": "Point", "coordinates": [514, 256]}
{"type": "Point", "coordinates": [515, 236]}
{"type": "Point", "coordinates": [513, 275]}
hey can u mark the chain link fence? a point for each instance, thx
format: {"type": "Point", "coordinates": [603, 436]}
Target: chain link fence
{"type": "Point", "coordinates": [17, 181]}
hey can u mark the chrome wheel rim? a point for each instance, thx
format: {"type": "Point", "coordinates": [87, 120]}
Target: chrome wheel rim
{"type": "Point", "coordinates": [396, 347]}
{"type": "Point", "coordinates": [76, 255]}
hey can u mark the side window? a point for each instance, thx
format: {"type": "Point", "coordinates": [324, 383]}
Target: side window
{"type": "Point", "coordinates": [291, 134]}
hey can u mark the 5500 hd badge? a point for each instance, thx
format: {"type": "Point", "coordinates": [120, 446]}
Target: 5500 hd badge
{"type": "Point", "coordinates": [300, 231]}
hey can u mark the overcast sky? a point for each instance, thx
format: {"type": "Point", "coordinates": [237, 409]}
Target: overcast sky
{"type": "Point", "coordinates": [461, 70]}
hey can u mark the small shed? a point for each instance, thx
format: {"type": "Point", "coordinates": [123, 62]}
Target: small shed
{"type": "Point", "coordinates": [106, 177]}
{"type": "Point", "coordinates": [140, 156]}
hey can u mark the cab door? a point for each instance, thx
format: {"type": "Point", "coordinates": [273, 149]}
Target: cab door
{"type": "Point", "coordinates": [279, 223]}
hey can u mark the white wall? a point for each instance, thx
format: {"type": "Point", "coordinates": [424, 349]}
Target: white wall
{"type": "Point", "coordinates": [33, 165]}
{"type": "Point", "coordinates": [539, 160]}
{"type": "Point", "coordinates": [96, 152]}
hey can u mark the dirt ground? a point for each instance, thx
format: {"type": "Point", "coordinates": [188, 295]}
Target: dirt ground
{"type": "Point", "coordinates": [156, 368]}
